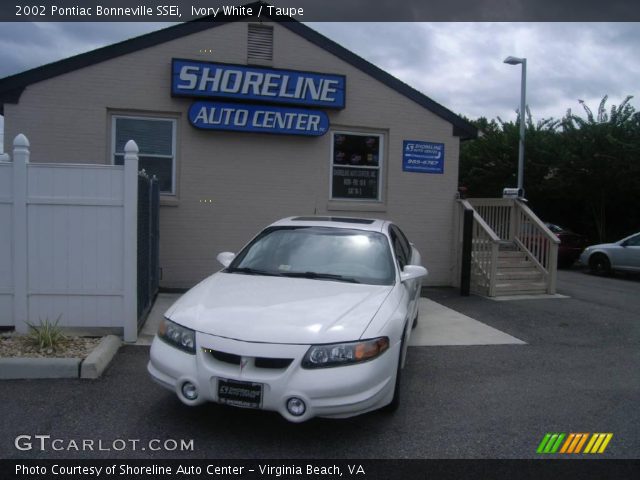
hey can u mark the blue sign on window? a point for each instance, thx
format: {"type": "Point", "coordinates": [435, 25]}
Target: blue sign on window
{"type": "Point", "coordinates": [240, 117]}
{"type": "Point", "coordinates": [425, 157]}
{"type": "Point", "coordinates": [240, 82]}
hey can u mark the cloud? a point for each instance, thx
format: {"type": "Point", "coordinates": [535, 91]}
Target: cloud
{"type": "Point", "coordinates": [459, 65]}
{"type": "Point", "coordinates": [28, 45]}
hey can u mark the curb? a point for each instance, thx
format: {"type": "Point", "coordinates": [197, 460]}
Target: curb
{"type": "Point", "coordinates": [99, 359]}
{"type": "Point", "coordinates": [15, 368]}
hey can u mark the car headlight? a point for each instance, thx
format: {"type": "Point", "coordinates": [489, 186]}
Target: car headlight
{"type": "Point", "coordinates": [180, 337]}
{"type": "Point", "coordinates": [338, 354]}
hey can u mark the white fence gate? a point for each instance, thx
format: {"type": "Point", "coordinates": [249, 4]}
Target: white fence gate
{"type": "Point", "coordinates": [68, 243]}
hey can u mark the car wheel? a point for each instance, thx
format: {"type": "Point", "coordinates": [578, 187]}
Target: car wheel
{"type": "Point", "coordinates": [599, 264]}
{"type": "Point", "coordinates": [395, 402]}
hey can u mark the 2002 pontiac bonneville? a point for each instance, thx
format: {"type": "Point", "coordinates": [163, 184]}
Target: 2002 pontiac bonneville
{"type": "Point", "coordinates": [311, 318]}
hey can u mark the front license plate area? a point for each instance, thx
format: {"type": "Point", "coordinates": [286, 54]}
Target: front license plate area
{"type": "Point", "coordinates": [240, 394]}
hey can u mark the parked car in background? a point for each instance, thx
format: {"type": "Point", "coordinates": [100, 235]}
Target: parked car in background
{"type": "Point", "coordinates": [571, 245]}
{"type": "Point", "coordinates": [311, 318]}
{"type": "Point", "coordinates": [623, 255]}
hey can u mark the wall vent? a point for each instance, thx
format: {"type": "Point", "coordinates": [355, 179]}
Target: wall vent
{"type": "Point", "coordinates": [260, 44]}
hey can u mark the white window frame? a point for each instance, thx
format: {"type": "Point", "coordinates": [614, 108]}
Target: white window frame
{"type": "Point", "coordinates": [174, 124]}
{"type": "Point", "coordinates": [381, 139]}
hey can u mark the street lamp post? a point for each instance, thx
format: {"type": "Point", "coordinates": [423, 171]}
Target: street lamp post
{"type": "Point", "coordinates": [523, 90]}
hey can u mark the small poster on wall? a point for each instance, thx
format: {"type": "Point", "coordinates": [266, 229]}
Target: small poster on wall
{"type": "Point", "coordinates": [424, 157]}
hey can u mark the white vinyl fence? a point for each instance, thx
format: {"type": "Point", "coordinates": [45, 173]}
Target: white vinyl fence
{"type": "Point", "coordinates": [68, 242]}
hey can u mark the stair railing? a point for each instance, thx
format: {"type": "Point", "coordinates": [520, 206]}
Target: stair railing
{"type": "Point", "coordinates": [537, 242]}
{"type": "Point", "coordinates": [484, 253]}
{"type": "Point", "coordinates": [513, 221]}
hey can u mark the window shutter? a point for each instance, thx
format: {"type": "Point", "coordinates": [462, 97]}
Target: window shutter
{"type": "Point", "coordinates": [260, 44]}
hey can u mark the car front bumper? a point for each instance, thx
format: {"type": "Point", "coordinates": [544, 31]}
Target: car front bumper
{"type": "Point", "coordinates": [583, 259]}
{"type": "Point", "coordinates": [327, 392]}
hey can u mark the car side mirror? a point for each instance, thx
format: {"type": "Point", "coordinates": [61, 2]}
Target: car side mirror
{"type": "Point", "coordinates": [225, 258]}
{"type": "Point", "coordinates": [409, 272]}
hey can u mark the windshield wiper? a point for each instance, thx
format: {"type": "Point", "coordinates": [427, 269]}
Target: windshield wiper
{"type": "Point", "coordinates": [314, 275]}
{"type": "Point", "coordinates": [252, 271]}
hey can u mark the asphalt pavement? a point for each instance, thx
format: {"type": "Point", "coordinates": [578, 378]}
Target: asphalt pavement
{"type": "Point", "coordinates": [577, 372]}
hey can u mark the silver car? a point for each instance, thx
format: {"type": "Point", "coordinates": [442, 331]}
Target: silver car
{"type": "Point", "coordinates": [623, 255]}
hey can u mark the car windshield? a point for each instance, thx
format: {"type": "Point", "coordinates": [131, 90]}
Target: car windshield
{"type": "Point", "coordinates": [320, 253]}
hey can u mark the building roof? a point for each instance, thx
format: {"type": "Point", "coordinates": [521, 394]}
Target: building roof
{"type": "Point", "coordinates": [11, 87]}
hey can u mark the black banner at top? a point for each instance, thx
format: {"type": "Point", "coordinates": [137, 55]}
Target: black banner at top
{"type": "Point", "coordinates": [320, 11]}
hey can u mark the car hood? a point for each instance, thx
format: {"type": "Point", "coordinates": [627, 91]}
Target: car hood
{"type": "Point", "coordinates": [259, 308]}
{"type": "Point", "coordinates": [601, 245]}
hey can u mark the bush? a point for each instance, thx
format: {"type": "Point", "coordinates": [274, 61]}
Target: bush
{"type": "Point", "coordinates": [46, 336]}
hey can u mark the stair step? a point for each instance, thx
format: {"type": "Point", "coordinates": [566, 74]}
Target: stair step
{"type": "Point", "coordinates": [515, 287]}
{"type": "Point", "coordinates": [514, 263]}
{"type": "Point", "coordinates": [531, 274]}
{"type": "Point", "coordinates": [510, 254]}
{"type": "Point", "coordinates": [507, 245]}
{"type": "Point", "coordinates": [502, 254]}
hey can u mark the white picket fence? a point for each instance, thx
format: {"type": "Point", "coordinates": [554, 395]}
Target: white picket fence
{"type": "Point", "coordinates": [68, 242]}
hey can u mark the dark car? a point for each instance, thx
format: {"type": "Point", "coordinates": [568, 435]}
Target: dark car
{"type": "Point", "coordinates": [571, 245]}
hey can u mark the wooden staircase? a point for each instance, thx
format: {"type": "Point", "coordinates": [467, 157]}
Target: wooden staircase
{"type": "Point", "coordinates": [512, 252]}
{"type": "Point", "coordinates": [517, 275]}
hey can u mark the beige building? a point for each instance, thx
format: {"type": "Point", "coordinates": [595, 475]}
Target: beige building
{"type": "Point", "coordinates": [245, 123]}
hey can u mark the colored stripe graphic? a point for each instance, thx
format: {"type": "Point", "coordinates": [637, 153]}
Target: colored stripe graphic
{"type": "Point", "coordinates": [598, 442]}
{"type": "Point", "coordinates": [553, 443]}
{"type": "Point", "coordinates": [550, 443]}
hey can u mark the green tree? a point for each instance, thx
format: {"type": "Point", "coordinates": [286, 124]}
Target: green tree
{"type": "Point", "coordinates": [599, 167]}
{"type": "Point", "coordinates": [582, 173]}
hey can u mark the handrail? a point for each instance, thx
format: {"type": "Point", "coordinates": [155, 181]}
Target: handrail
{"type": "Point", "coordinates": [534, 218]}
{"type": "Point", "coordinates": [477, 218]}
{"type": "Point", "coordinates": [539, 244]}
{"type": "Point", "coordinates": [484, 253]}
{"type": "Point", "coordinates": [496, 219]}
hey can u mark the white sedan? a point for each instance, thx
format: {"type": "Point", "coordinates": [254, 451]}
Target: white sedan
{"type": "Point", "coordinates": [623, 255]}
{"type": "Point", "coordinates": [311, 318]}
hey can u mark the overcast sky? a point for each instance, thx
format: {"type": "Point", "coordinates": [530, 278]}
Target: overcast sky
{"type": "Point", "coordinates": [459, 65]}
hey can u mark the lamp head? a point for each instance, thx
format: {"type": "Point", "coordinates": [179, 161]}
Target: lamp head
{"type": "Point", "coordinates": [514, 60]}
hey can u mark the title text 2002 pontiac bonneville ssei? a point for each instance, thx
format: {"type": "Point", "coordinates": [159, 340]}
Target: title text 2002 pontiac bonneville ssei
{"type": "Point", "coordinates": [311, 318]}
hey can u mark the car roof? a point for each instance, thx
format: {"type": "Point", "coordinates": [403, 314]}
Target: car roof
{"type": "Point", "coordinates": [357, 223]}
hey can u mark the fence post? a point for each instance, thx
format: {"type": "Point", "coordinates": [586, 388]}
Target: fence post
{"type": "Point", "coordinates": [467, 240]}
{"type": "Point", "coordinates": [20, 265]}
{"type": "Point", "coordinates": [130, 267]}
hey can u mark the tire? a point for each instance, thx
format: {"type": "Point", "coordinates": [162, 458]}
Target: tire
{"type": "Point", "coordinates": [395, 401]}
{"type": "Point", "coordinates": [599, 264]}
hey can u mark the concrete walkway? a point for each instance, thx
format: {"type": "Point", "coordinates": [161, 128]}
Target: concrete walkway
{"type": "Point", "coordinates": [437, 326]}
{"type": "Point", "coordinates": [150, 327]}
{"type": "Point", "coordinates": [440, 326]}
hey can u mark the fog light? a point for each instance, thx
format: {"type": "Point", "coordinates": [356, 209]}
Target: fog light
{"type": "Point", "coordinates": [296, 406]}
{"type": "Point", "coordinates": [189, 391]}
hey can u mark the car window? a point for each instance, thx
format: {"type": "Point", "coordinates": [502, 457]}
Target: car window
{"type": "Point", "coordinates": [401, 246]}
{"type": "Point", "coordinates": [319, 253]}
{"type": "Point", "coordinates": [401, 254]}
{"type": "Point", "coordinates": [634, 241]}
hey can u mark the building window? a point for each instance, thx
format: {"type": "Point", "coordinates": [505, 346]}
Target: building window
{"type": "Point", "coordinates": [156, 139]}
{"type": "Point", "coordinates": [356, 164]}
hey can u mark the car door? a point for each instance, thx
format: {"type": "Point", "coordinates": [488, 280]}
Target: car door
{"type": "Point", "coordinates": [406, 254]}
{"type": "Point", "coordinates": [630, 253]}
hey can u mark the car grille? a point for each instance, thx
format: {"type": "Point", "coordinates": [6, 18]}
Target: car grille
{"type": "Point", "coordinates": [259, 362]}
